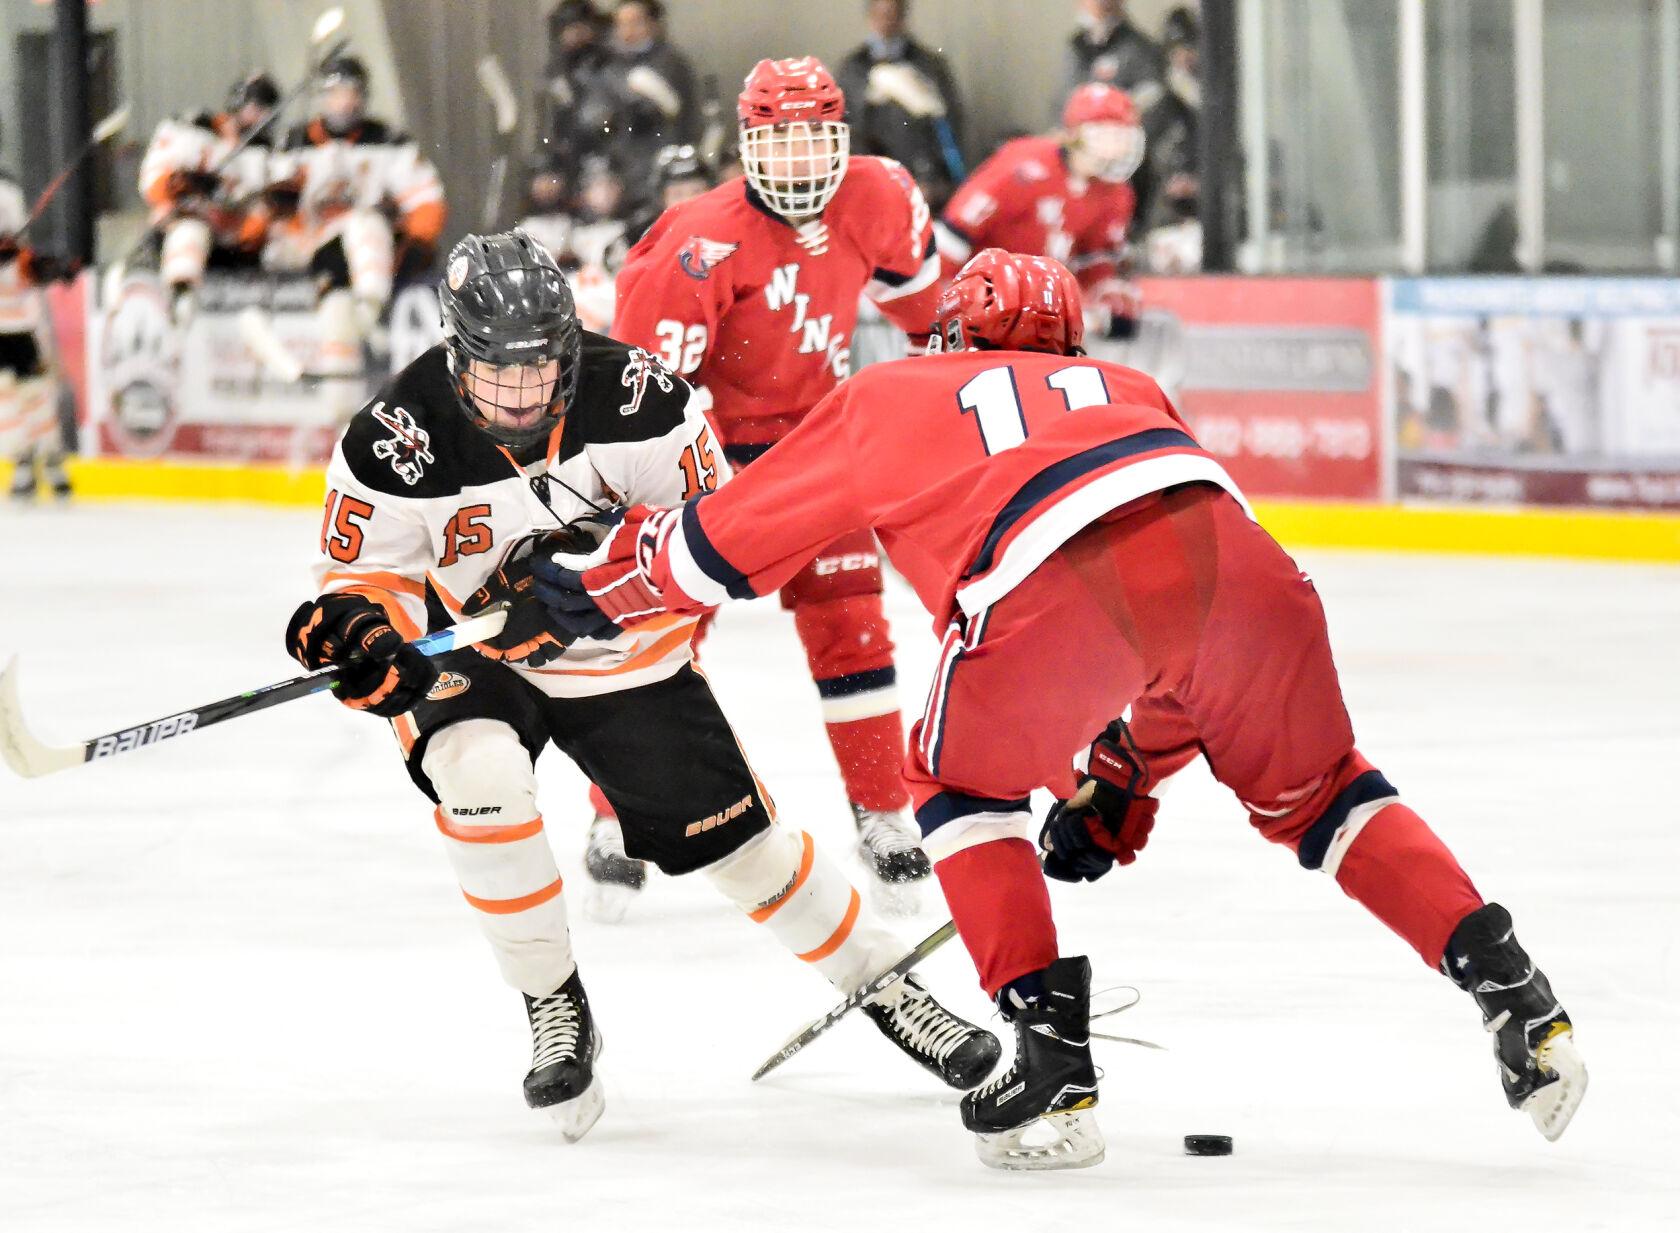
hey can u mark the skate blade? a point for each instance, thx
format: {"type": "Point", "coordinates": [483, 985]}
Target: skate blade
{"type": "Point", "coordinates": [577, 1115]}
{"type": "Point", "coordinates": [899, 899]}
{"type": "Point", "coordinates": [1554, 1105]}
{"type": "Point", "coordinates": [1070, 1140]}
{"type": "Point", "coordinates": [607, 903]}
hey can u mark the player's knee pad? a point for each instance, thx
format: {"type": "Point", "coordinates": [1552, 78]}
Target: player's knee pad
{"type": "Point", "coordinates": [368, 252]}
{"type": "Point", "coordinates": [186, 248]}
{"type": "Point", "coordinates": [848, 646]}
{"type": "Point", "coordinates": [481, 773]}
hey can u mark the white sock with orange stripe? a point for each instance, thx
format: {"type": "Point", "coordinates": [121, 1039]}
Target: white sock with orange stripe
{"type": "Point", "coordinates": [781, 880]}
{"type": "Point", "coordinates": [494, 836]}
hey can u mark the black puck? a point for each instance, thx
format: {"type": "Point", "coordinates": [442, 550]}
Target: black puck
{"type": "Point", "coordinates": [1207, 1145]}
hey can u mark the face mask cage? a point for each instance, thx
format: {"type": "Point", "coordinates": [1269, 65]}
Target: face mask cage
{"type": "Point", "coordinates": [1114, 150]}
{"type": "Point", "coordinates": [517, 404]}
{"type": "Point", "coordinates": [796, 168]}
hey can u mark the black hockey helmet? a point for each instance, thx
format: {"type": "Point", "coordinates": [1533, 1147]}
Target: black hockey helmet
{"type": "Point", "coordinates": [254, 90]}
{"type": "Point", "coordinates": [504, 302]}
{"type": "Point", "coordinates": [343, 70]}
{"type": "Point", "coordinates": [674, 164]}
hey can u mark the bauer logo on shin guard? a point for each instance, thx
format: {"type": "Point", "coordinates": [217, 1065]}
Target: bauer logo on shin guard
{"type": "Point", "coordinates": [148, 734]}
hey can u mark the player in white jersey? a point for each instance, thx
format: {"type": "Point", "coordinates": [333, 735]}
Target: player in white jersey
{"type": "Point", "coordinates": [369, 208]}
{"type": "Point", "coordinates": [210, 204]}
{"type": "Point", "coordinates": [29, 433]}
{"type": "Point", "coordinates": [520, 423]}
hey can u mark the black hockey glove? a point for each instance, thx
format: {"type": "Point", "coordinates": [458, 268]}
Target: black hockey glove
{"type": "Point", "coordinates": [529, 637]}
{"type": "Point", "coordinates": [1107, 819]}
{"type": "Point", "coordinates": [569, 609]}
{"type": "Point", "coordinates": [380, 673]}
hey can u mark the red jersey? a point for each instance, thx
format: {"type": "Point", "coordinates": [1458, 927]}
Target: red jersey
{"type": "Point", "coordinates": [760, 312]}
{"type": "Point", "coordinates": [972, 467]}
{"type": "Point", "coordinates": [1024, 200]}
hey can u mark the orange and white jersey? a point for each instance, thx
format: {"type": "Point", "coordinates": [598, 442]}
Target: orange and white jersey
{"type": "Point", "coordinates": [372, 167]}
{"type": "Point", "coordinates": [200, 143]}
{"type": "Point", "coordinates": [423, 506]}
{"type": "Point", "coordinates": [20, 299]}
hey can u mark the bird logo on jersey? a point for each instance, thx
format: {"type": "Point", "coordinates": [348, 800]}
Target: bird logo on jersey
{"type": "Point", "coordinates": [409, 449]}
{"type": "Point", "coordinates": [699, 255]}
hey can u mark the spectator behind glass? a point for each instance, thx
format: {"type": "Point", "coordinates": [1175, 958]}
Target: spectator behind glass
{"type": "Point", "coordinates": [1174, 234]}
{"type": "Point", "coordinates": [577, 52]}
{"type": "Point", "coordinates": [644, 98]}
{"type": "Point", "coordinates": [548, 211]}
{"type": "Point", "coordinates": [902, 102]}
{"type": "Point", "coordinates": [1110, 49]}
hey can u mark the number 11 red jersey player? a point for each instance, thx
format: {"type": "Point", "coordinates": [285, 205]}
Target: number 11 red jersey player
{"type": "Point", "coordinates": [1110, 609]}
{"type": "Point", "coordinates": [750, 292]}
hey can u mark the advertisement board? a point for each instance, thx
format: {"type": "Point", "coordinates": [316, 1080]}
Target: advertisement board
{"type": "Point", "coordinates": [1537, 391]}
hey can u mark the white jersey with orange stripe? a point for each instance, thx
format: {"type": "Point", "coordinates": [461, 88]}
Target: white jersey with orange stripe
{"type": "Point", "coordinates": [373, 167]}
{"type": "Point", "coordinates": [20, 300]}
{"type": "Point", "coordinates": [423, 506]}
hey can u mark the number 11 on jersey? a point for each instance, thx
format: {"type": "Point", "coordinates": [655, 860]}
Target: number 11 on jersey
{"type": "Point", "coordinates": [995, 400]}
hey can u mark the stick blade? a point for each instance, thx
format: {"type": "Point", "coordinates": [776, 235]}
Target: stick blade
{"type": "Point", "coordinates": [270, 352]}
{"type": "Point", "coordinates": [111, 125]}
{"type": "Point", "coordinates": [326, 25]}
{"type": "Point", "coordinates": [494, 80]}
{"type": "Point", "coordinates": [25, 754]}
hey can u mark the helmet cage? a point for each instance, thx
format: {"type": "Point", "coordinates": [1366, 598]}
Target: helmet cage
{"type": "Point", "coordinates": [796, 168]}
{"type": "Point", "coordinates": [1113, 148]}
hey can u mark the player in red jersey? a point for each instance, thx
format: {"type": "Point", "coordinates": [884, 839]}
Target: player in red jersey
{"type": "Point", "coordinates": [751, 292]}
{"type": "Point", "coordinates": [1067, 196]}
{"type": "Point", "coordinates": [1104, 591]}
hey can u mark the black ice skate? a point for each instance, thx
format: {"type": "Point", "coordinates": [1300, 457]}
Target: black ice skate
{"type": "Point", "coordinates": [1038, 1113]}
{"type": "Point", "coordinates": [564, 1044]}
{"type": "Point", "coordinates": [24, 481]}
{"type": "Point", "coordinates": [890, 850]}
{"type": "Point", "coordinates": [961, 1054]}
{"type": "Point", "coordinates": [614, 878]}
{"type": "Point", "coordinates": [1533, 1039]}
{"type": "Point", "coordinates": [57, 480]}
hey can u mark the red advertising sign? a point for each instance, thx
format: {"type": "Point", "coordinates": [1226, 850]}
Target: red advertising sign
{"type": "Point", "coordinates": [1281, 379]}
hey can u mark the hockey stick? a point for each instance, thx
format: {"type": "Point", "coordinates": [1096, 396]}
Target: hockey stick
{"type": "Point", "coordinates": [31, 757]}
{"type": "Point", "coordinates": [817, 1027]}
{"type": "Point", "coordinates": [326, 25]}
{"type": "Point", "coordinates": [256, 330]}
{"type": "Point", "coordinates": [106, 129]}
{"type": "Point", "coordinates": [494, 80]}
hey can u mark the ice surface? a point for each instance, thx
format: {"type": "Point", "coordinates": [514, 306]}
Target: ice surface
{"type": "Point", "coordinates": [239, 990]}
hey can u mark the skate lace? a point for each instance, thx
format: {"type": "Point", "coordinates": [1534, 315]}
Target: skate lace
{"type": "Point", "coordinates": [555, 1025]}
{"type": "Point", "coordinates": [926, 1026]}
{"type": "Point", "coordinates": [885, 832]}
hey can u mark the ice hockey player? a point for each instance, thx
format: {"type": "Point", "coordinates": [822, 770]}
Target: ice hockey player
{"type": "Point", "coordinates": [210, 215]}
{"type": "Point", "coordinates": [751, 291]}
{"type": "Point", "coordinates": [29, 431]}
{"type": "Point", "coordinates": [351, 175]}
{"type": "Point", "coordinates": [519, 422]}
{"type": "Point", "coordinates": [1090, 559]}
{"type": "Point", "coordinates": [1067, 196]}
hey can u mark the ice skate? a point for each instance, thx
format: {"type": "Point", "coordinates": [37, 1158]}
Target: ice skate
{"type": "Point", "coordinates": [55, 476]}
{"type": "Point", "coordinates": [889, 849]}
{"type": "Point", "coordinates": [1038, 1113]}
{"type": "Point", "coordinates": [24, 481]}
{"type": "Point", "coordinates": [1533, 1039]}
{"type": "Point", "coordinates": [615, 880]}
{"type": "Point", "coordinates": [564, 1045]}
{"type": "Point", "coordinates": [960, 1053]}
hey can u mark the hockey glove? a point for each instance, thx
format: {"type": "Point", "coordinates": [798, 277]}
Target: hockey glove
{"type": "Point", "coordinates": [1107, 819]}
{"type": "Point", "coordinates": [594, 594]}
{"type": "Point", "coordinates": [529, 637]}
{"type": "Point", "coordinates": [379, 671]}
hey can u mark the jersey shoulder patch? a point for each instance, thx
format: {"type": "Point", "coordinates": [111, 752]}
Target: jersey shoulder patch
{"type": "Point", "coordinates": [411, 440]}
{"type": "Point", "coordinates": [624, 394]}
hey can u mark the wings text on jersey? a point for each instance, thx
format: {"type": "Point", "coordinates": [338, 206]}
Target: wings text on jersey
{"type": "Point", "coordinates": [817, 335]}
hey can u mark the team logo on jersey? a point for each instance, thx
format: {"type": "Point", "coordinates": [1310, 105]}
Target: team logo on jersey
{"type": "Point", "coordinates": [699, 255]}
{"type": "Point", "coordinates": [409, 448]}
{"type": "Point", "coordinates": [640, 369]}
{"type": "Point", "coordinates": [449, 685]}
{"type": "Point", "coordinates": [457, 272]}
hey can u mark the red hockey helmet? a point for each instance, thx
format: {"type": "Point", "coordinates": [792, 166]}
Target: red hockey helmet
{"type": "Point", "coordinates": [794, 137]}
{"type": "Point", "coordinates": [1011, 302]}
{"type": "Point", "coordinates": [1104, 130]}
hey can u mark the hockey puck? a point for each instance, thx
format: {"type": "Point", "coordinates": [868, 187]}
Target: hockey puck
{"type": "Point", "coordinates": [1207, 1145]}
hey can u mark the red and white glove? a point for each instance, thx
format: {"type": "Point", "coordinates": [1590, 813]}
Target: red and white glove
{"type": "Point", "coordinates": [596, 594]}
{"type": "Point", "coordinates": [1113, 307]}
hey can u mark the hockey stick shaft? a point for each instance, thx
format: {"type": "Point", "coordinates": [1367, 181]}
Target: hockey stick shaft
{"type": "Point", "coordinates": [817, 1027]}
{"type": "Point", "coordinates": [106, 129]}
{"type": "Point", "coordinates": [30, 757]}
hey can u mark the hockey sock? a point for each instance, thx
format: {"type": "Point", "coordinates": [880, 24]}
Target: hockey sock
{"type": "Point", "coordinates": [1001, 906]}
{"type": "Point", "coordinates": [871, 757]}
{"type": "Point", "coordinates": [1408, 879]}
{"type": "Point", "coordinates": [782, 881]}
{"type": "Point", "coordinates": [600, 804]}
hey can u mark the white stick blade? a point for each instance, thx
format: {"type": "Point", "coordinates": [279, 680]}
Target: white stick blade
{"type": "Point", "coordinates": [111, 125]}
{"type": "Point", "coordinates": [18, 746]}
{"type": "Point", "coordinates": [327, 25]}
{"type": "Point", "coordinates": [493, 78]}
{"type": "Point", "coordinates": [271, 353]}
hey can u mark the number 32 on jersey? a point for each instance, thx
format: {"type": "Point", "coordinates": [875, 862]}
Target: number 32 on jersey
{"type": "Point", "coordinates": [995, 400]}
